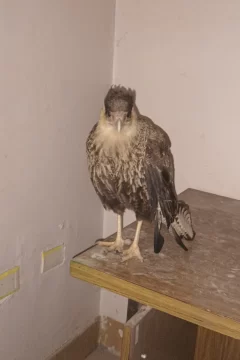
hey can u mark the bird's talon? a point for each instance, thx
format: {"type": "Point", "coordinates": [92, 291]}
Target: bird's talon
{"type": "Point", "coordinates": [116, 245]}
{"type": "Point", "coordinates": [105, 243]}
{"type": "Point", "coordinates": [131, 253]}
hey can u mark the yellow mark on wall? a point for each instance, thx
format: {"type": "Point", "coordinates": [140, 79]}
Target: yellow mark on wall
{"type": "Point", "coordinates": [53, 257]}
{"type": "Point", "coordinates": [49, 252]}
{"type": "Point", "coordinates": [9, 282]}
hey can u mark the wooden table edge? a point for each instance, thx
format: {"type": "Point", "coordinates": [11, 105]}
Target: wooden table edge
{"type": "Point", "coordinates": [156, 300]}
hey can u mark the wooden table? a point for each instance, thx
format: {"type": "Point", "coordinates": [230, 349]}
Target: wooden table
{"type": "Point", "coordinates": [201, 286]}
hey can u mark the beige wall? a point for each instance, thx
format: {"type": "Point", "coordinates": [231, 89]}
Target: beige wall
{"type": "Point", "coordinates": [183, 59]}
{"type": "Point", "coordinates": [56, 65]}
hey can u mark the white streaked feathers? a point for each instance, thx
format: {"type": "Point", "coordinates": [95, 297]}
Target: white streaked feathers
{"type": "Point", "coordinates": [182, 223]}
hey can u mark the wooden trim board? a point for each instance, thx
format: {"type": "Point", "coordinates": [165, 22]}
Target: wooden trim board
{"type": "Point", "coordinates": [105, 332]}
{"type": "Point", "coordinates": [82, 346]}
{"type": "Point", "coordinates": [156, 300]}
{"type": "Point", "coordinates": [126, 343]}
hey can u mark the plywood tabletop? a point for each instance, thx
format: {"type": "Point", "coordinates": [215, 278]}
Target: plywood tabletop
{"type": "Point", "coordinates": [201, 285]}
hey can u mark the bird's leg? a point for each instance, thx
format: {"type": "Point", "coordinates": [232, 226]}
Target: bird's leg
{"type": "Point", "coordinates": [134, 250]}
{"type": "Point", "coordinates": [116, 245]}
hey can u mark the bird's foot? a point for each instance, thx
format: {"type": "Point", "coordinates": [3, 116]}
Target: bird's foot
{"type": "Point", "coordinates": [133, 251]}
{"type": "Point", "coordinates": [116, 245]}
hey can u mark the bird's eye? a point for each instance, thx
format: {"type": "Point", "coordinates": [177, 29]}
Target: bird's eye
{"type": "Point", "coordinates": [110, 119]}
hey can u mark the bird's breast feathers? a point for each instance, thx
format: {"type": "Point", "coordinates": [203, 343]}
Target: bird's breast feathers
{"type": "Point", "coordinates": [116, 161]}
{"type": "Point", "coordinates": [110, 142]}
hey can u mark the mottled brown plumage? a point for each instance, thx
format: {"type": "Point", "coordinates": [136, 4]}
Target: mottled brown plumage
{"type": "Point", "coordinates": [131, 167]}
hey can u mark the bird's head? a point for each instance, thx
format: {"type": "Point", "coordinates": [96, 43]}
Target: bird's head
{"type": "Point", "coordinates": [118, 107]}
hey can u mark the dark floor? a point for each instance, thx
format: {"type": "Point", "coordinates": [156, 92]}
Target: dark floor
{"type": "Point", "coordinates": [101, 354]}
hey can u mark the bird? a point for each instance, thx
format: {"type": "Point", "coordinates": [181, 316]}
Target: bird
{"type": "Point", "coordinates": [131, 166]}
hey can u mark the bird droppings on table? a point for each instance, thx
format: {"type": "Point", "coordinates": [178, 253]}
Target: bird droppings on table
{"type": "Point", "coordinates": [161, 255]}
{"type": "Point", "coordinates": [98, 256]}
{"type": "Point", "coordinates": [139, 274]}
{"type": "Point", "coordinates": [127, 242]}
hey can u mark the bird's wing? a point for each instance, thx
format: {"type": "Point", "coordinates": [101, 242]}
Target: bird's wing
{"type": "Point", "coordinates": [158, 166]}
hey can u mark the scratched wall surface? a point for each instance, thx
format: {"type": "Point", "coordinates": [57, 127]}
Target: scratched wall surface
{"type": "Point", "coordinates": [56, 65]}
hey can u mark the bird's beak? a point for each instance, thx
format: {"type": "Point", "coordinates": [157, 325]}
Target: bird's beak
{"type": "Point", "coordinates": [119, 125]}
{"type": "Point", "coordinates": [118, 118]}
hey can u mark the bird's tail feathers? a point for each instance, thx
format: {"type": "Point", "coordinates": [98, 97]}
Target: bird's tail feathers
{"type": "Point", "coordinates": [175, 213]}
{"type": "Point", "coordinates": [183, 221]}
{"type": "Point", "coordinates": [158, 238]}
{"type": "Point", "coordinates": [181, 227]}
